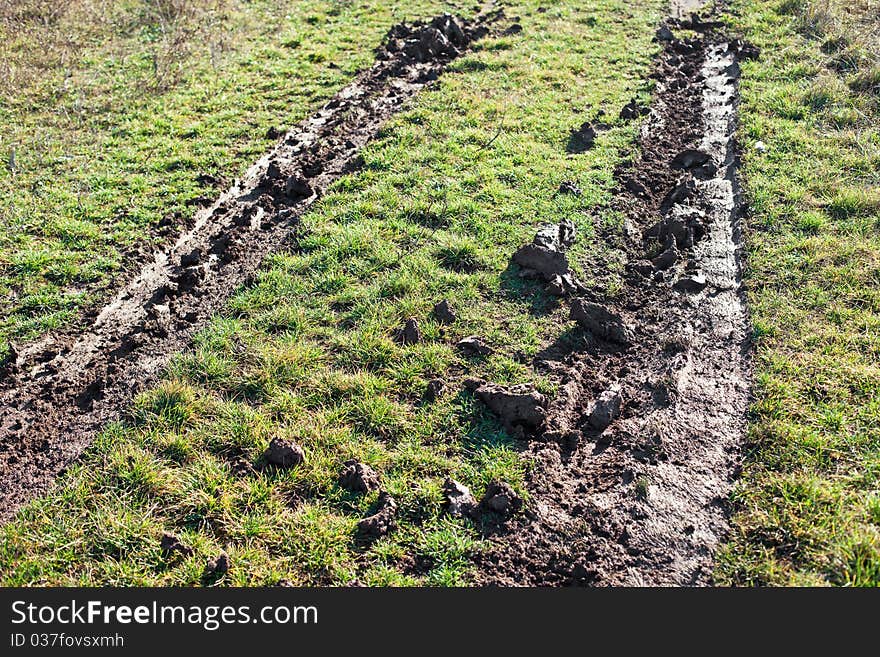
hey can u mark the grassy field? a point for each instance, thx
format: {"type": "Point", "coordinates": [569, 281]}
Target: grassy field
{"type": "Point", "coordinates": [450, 189]}
{"type": "Point", "coordinates": [115, 116]}
{"type": "Point", "coordinates": [808, 504]}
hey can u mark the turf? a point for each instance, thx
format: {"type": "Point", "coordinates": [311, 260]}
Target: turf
{"type": "Point", "coordinates": [807, 506]}
{"type": "Point", "coordinates": [450, 189]}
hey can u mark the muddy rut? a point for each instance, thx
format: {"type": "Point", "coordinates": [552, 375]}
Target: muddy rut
{"type": "Point", "coordinates": [633, 468]}
{"type": "Point", "coordinates": [57, 393]}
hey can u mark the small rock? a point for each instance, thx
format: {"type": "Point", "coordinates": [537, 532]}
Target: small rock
{"type": "Point", "coordinates": [760, 146]}
{"type": "Point", "coordinates": [217, 566]}
{"type": "Point", "coordinates": [382, 521]}
{"type": "Point", "coordinates": [606, 409]}
{"type": "Point", "coordinates": [460, 503]}
{"type": "Point", "coordinates": [297, 187]}
{"type": "Point", "coordinates": [501, 498]}
{"type": "Point", "coordinates": [601, 322]}
{"type": "Point", "coordinates": [570, 187]}
{"type": "Point", "coordinates": [692, 284]}
{"type": "Point", "coordinates": [444, 313]}
{"type": "Point", "coordinates": [410, 333]}
{"type": "Point", "coordinates": [358, 477]}
{"type": "Point", "coordinates": [284, 453]}
{"type": "Point", "coordinates": [171, 544]}
{"type": "Point", "coordinates": [434, 389]}
{"type": "Point", "coordinates": [474, 346]}
{"type": "Point", "coordinates": [518, 405]}
{"type": "Point", "coordinates": [666, 259]}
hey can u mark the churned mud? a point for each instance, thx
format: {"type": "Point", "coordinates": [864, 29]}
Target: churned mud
{"type": "Point", "coordinates": [55, 394]}
{"type": "Point", "coordinates": [634, 463]}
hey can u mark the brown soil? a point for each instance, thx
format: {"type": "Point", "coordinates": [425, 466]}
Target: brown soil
{"type": "Point", "coordinates": [633, 470]}
{"type": "Point", "coordinates": [56, 394]}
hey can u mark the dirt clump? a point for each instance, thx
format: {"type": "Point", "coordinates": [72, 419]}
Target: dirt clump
{"type": "Point", "coordinates": [570, 187]}
{"type": "Point", "coordinates": [545, 257]}
{"type": "Point", "coordinates": [382, 521]}
{"type": "Point", "coordinates": [460, 502]}
{"type": "Point", "coordinates": [216, 568]}
{"type": "Point", "coordinates": [434, 389]}
{"type": "Point", "coordinates": [500, 498]}
{"type": "Point", "coordinates": [358, 477]}
{"type": "Point", "coordinates": [410, 333]}
{"type": "Point", "coordinates": [601, 322]}
{"type": "Point", "coordinates": [443, 312]}
{"type": "Point", "coordinates": [171, 544]}
{"type": "Point", "coordinates": [474, 345]}
{"type": "Point", "coordinates": [517, 406]}
{"type": "Point", "coordinates": [284, 454]}
{"type": "Point", "coordinates": [605, 409]}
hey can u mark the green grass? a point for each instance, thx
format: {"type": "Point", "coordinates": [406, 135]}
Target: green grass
{"type": "Point", "coordinates": [808, 506]}
{"type": "Point", "coordinates": [111, 112]}
{"type": "Point", "coordinates": [307, 351]}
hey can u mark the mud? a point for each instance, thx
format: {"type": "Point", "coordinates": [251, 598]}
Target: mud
{"type": "Point", "coordinates": [58, 392]}
{"type": "Point", "coordinates": [640, 448]}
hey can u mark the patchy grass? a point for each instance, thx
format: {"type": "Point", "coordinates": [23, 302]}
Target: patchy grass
{"type": "Point", "coordinates": [807, 504]}
{"type": "Point", "coordinates": [112, 114]}
{"type": "Point", "coordinates": [449, 190]}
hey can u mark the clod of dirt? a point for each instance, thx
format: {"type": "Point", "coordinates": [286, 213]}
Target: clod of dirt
{"type": "Point", "coordinates": [517, 406]}
{"type": "Point", "coordinates": [666, 259]}
{"type": "Point", "coordinates": [274, 132]}
{"type": "Point", "coordinates": [558, 286]}
{"type": "Point", "coordinates": [434, 389]}
{"type": "Point", "coordinates": [358, 477]}
{"type": "Point", "coordinates": [216, 567]}
{"type": "Point", "coordinates": [692, 283]}
{"type": "Point", "coordinates": [690, 158]}
{"type": "Point", "coordinates": [570, 187]}
{"type": "Point", "coordinates": [664, 34]}
{"type": "Point", "coordinates": [444, 313]}
{"type": "Point", "coordinates": [460, 502]}
{"type": "Point", "coordinates": [605, 409]}
{"type": "Point", "coordinates": [601, 322]}
{"type": "Point", "coordinates": [410, 333]}
{"type": "Point", "coordinates": [474, 346]}
{"type": "Point", "coordinates": [382, 521]}
{"type": "Point", "coordinates": [683, 225]}
{"type": "Point", "coordinates": [633, 110]}
{"type": "Point", "coordinates": [500, 498]}
{"type": "Point", "coordinates": [444, 36]}
{"type": "Point", "coordinates": [583, 138]}
{"type": "Point", "coordinates": [171, 544]}
{"type": "Point", "coordinates": [297, 187]}
{"type": "Point", "coordinates": [681, 192]}
{"type": "Point", "coordinates": [545, 255]}
{"type": "Point", "coordinates": [284, 453]}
